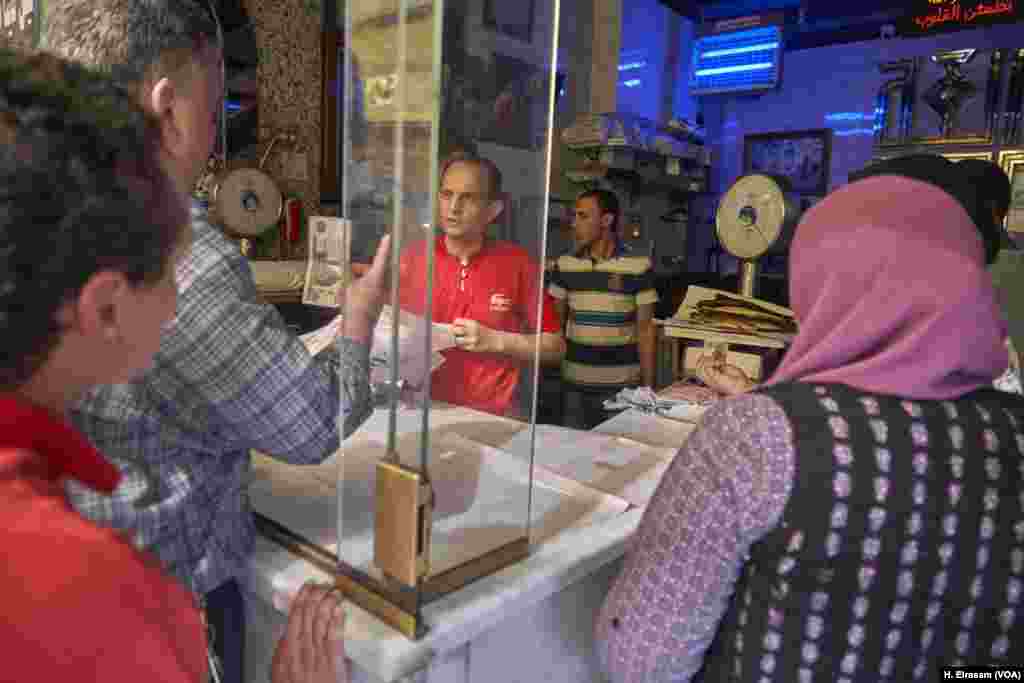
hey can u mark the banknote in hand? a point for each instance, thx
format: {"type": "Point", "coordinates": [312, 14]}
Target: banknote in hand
{"type": "Point", "coordinates": [327, 264]}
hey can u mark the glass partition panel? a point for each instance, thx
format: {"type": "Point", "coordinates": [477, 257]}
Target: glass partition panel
{"type": "Point", "coordinates": [446, 132]}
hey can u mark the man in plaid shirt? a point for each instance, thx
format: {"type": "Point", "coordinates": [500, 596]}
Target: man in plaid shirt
{"type": "Point", "coordinates": [229, 376]}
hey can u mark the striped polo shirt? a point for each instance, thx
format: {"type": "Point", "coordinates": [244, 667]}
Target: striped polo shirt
{"type": "Point", "coordinates": [601, 330]}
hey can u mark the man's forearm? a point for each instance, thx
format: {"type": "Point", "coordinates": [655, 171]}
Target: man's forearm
{"type": "Point", "coordinates": [522, 346]}
{"type": "Point", "coordinates": [358, 323]}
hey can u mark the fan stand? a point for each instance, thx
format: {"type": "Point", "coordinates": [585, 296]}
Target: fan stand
{"type": "Point", "coordinates": [749, 270]}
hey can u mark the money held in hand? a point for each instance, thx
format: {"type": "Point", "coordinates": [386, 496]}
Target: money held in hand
{"type": "Point", "coordinates": [327, 263]}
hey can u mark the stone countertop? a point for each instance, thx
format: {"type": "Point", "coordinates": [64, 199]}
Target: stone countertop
{"type": "Point", "coordinates": [557, 560]}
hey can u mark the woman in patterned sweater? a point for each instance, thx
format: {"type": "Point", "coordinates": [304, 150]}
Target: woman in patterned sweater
{"type": "Point", "coordinates": [860, 516]}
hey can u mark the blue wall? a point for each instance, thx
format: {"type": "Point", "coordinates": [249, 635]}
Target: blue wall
{"type": "Point", "coordinates": [642, 53]}
{"type": "Point", "coordinates": [830, 87]}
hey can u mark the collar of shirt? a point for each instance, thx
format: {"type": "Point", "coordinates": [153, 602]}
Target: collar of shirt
{"type": "Point", "coordinates": [618, 249]}
{"type": "Point", "coordinates": [441, 252]}
{"type": "Point", "coordinates": [67, 453]}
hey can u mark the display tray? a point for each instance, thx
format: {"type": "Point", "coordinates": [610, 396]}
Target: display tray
{"type": "Point", "coordinates": [611, 464]}
{"type": "Point", "coordinates": [481, 494]}
{"type": "Point", "coordinates": [653, 430]}
{"type": "Point", "coordinates": [482, 499]}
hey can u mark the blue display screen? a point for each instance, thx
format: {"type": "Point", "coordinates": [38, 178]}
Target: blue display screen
{"type": "Point", "coordinates": [740, 60]}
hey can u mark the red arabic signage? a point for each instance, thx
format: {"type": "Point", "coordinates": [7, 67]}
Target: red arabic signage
{"type": "Point", "coordinates": [933, 16]}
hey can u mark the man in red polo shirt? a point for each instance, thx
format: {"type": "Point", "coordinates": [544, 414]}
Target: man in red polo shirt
{"type": "Point", "coordinates": [489, 290]}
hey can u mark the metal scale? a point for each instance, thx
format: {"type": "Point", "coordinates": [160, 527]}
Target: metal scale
{"type": "Point", "coordinates": [755, 217]}
{"type": "Point", "coordinates": [245, 203]}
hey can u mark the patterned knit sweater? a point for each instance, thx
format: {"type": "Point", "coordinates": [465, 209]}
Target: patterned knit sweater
{"type": "Point", "coordinates": [817, 533]}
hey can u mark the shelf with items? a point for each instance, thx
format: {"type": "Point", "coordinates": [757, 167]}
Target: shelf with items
{"type": "Point", "coordinates": [974, 104]}
{"type": "Point", "coordinates": [638, 166]}
{"type": "Point", "coordinates": [630, 149]}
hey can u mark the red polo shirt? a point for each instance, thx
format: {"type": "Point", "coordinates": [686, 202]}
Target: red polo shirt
{"type": "Point", "coordinates": [498, 288]}
{"type": "Point", "coordinates": [79, 603]}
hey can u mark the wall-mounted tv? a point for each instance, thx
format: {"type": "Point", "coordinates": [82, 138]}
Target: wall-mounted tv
{"type": "Point", "coordinates": [737, 55]}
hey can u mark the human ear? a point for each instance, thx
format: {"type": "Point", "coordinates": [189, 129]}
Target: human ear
{"type": "Point", "coordinates": [165, 101]}
{"type": "Point", "coordinates": [98, 311]}
{"type": "Point", "coordinates": [495, 209]}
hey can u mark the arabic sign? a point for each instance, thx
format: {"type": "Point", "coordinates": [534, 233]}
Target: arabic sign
{"type": "Point", "coordinates": [933, 16]}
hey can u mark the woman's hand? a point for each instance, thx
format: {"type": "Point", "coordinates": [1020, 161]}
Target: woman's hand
{"type": "Point", "coordinates": [722, 377]}
{"type": "Point", "coordinates": [312, 649]}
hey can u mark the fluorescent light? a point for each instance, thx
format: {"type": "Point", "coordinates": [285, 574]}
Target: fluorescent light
{"type": "Point", "coordinates": [855, 131]}
{"type": "Point", "coordinates": [849, 116]}
{"type": "Point", "coordinates": [740, 50]}
{"type": "Point", "coordinates": [734, 69]}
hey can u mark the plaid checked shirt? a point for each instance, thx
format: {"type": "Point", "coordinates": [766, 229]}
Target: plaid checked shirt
{"type": "Point", "coordinates": [229, 377]}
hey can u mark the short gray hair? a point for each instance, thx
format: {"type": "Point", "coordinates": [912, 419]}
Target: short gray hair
{"type": "Point", "coordinates": [132, 40]}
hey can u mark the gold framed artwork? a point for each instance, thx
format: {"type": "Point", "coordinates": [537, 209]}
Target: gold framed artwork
{"type": "Point", "coordinates": [960, 156]}
{"type": "Point", "coordinates": [803, 157]}
{"type": "Point", "coordinates": [1012, 163]}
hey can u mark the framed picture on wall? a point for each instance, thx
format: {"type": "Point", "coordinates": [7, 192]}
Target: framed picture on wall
{"type": "Point", "coordinates": [801, 157]}
{"type": "Point", "coordinates": [1012, 162]}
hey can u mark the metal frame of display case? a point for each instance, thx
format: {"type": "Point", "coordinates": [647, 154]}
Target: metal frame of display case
{"type": "Point", "coordinates": [389, 508]}
{"type": "Point", "coordinates": [391, 604]}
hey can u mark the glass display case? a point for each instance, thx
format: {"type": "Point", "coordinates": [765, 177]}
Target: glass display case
{"type": "Point", "coordinates": [445, 142]}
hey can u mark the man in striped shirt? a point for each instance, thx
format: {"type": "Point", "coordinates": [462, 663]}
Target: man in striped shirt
{"type": "Point", "coordinates": [605, 299]}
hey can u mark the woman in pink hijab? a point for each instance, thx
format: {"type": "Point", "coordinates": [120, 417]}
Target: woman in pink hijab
{"type": "Point", "coordinates": [856, 518]}
{"type": "Point", "coordinates": [955, 180]}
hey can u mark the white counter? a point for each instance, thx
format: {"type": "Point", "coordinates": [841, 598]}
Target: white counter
{"type": "Point", "coordinates": [532, 621]}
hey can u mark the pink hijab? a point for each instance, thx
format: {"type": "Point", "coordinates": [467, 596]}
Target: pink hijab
{"type": "Point", "coordinates": [888, 284]}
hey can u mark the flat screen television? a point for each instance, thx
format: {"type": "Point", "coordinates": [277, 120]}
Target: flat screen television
{"type": "Point", "coordinates": [738, 55]}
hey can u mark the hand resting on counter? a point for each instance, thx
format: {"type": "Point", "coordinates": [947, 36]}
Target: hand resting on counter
{"type": "Point", "coordinates": [312, 649]}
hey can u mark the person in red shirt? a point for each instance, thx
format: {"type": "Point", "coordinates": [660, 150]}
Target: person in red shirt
{"type": "Point", "coordinates": [489, 290]}
{"type": "Point", "coordinates": [91, 227]}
